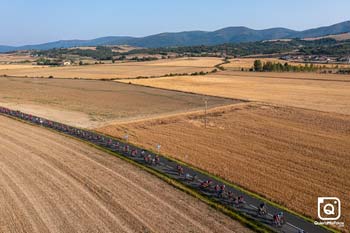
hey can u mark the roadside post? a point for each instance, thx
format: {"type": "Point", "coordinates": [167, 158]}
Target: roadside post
{"type": "Point", "coordinates": [126, 137]}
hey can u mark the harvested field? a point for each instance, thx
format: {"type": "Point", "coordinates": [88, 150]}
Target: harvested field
{"type": "Point", "coordinates": [306, 90]}
{"type": "Point", "coordinates": [120, 70]}
{"type": "Point", "coordinates": [4, 68]}
{"type": "Point", "coordinates": [204, 62]}
{"type": "Point", "coordinates": [247, 63]}
{"type": "Point", "coordinates": [52, 183]}
{"type": "Point", "coordinates": [261, 147]}
{"type": "Point", "coordinates": [15, 57]}
{"type": "Point", "coordinates": [290, 75]}
{"type": "Point", "coordinates": [89, 103]}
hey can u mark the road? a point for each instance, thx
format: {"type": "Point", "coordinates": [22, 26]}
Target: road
{"type": "Point", "coordinates": [294, 224]}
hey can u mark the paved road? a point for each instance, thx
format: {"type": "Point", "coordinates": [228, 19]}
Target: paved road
{"type": "Point", "coordinates": [183, 174]}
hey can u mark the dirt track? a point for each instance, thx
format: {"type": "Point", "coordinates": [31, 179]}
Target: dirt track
{"type": "Point", "coordinates": [51, 183]}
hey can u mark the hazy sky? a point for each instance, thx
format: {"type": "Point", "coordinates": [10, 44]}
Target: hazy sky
{"type": "Point", "coordinates": [38, 21]}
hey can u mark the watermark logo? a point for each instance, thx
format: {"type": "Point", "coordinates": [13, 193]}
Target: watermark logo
{"type": "Point", "coordinates": [329, 208]}
{"type": "Point", "coordinates": [329, 211]}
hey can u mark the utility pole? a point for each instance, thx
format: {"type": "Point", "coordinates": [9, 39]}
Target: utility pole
{"type": "Point", "coordinates": [158, 148]}
{"type": "Point", "coordinates": [126, 136]}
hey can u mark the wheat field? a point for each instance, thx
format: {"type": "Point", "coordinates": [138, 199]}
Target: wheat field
{"type": "Point", "coordinates": [261, 147]}
{"type": "Point", "coordinates": [89, 103]}
{"type": "Point", "coordinates": [247, 63]}
{"type": "Point", "coordinates": [118, 70]}
{"type": "Point", "coordinates": [306, 90]}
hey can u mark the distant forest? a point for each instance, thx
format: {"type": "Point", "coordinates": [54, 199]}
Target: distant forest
{"type": "Point", "coordinates": [101, 53]}
{"type": "Point", "coordinates": [326, 46]}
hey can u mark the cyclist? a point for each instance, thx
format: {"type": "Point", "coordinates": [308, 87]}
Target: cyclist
{"type": "Point", "coordinates": [276, 220]}
{"type": "Point", "coordinates": [217, 188]}
{"type": "Point", "coordinates": [281, 218]}
{"type": "Point", "coordinates": [262, 209]}
{"type": "Point", "coordinates": [157, 160]}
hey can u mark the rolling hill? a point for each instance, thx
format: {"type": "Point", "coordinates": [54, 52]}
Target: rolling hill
{"type": "Point", "coordinates": [189, 38]}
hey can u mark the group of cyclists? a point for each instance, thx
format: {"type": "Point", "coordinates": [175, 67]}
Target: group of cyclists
{"type": "Point", "coordinates": [278, 218]}
{"type": "Point", "coordinates": [148, 158]}
{"type": "Point", "coordinates": [151, 159]}
{"type": "Point", "coordinates": [220, 191]}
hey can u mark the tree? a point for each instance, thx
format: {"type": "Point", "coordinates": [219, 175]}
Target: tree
{"type": "Point", "coordinates": [258, 65]}
{"type": "Point", "coordinates": [268, 66]}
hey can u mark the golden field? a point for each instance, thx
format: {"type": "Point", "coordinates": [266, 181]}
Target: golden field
{"type": "Point", "coordinates": [15, 57]}
{"type": "Point", "coordinates": [119, 70]}
{"type": "Point", "coordinates": [204, 62]}
{"type": "Point", "coordinates": [8, 67]}
{"type": "Point", "coordinates": [89, 103]}
{"type": "Point", "coordinates": [324, 92]}
{"type": "Point", "coordinates": [295, 130]}
{"type": "Point", "coordinates": [247, 63]}
{"type": "Point", "coordinates": [289, 155]}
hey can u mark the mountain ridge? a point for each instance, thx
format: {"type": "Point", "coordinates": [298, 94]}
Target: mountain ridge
{"type": "Point", "coordinates": [235, 34]}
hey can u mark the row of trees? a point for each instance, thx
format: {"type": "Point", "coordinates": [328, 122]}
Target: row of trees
{"type": "Point", "coordinates": [47, 62]}
{"type": "Point", "coordinates": [100, 53]}
{"type": "Point", "coordinates": [140, 59]}
{"type": "Point", "coordinates": [269, 66]}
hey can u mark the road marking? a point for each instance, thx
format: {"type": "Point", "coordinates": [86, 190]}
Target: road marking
{"type": "Point", "coordinates": [253, 206]}
{"type": "Point", "coordinates": [299, 229]}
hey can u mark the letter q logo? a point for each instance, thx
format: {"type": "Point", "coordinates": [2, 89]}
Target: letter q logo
{"type": "Point", "coordinates": [329, 208]}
